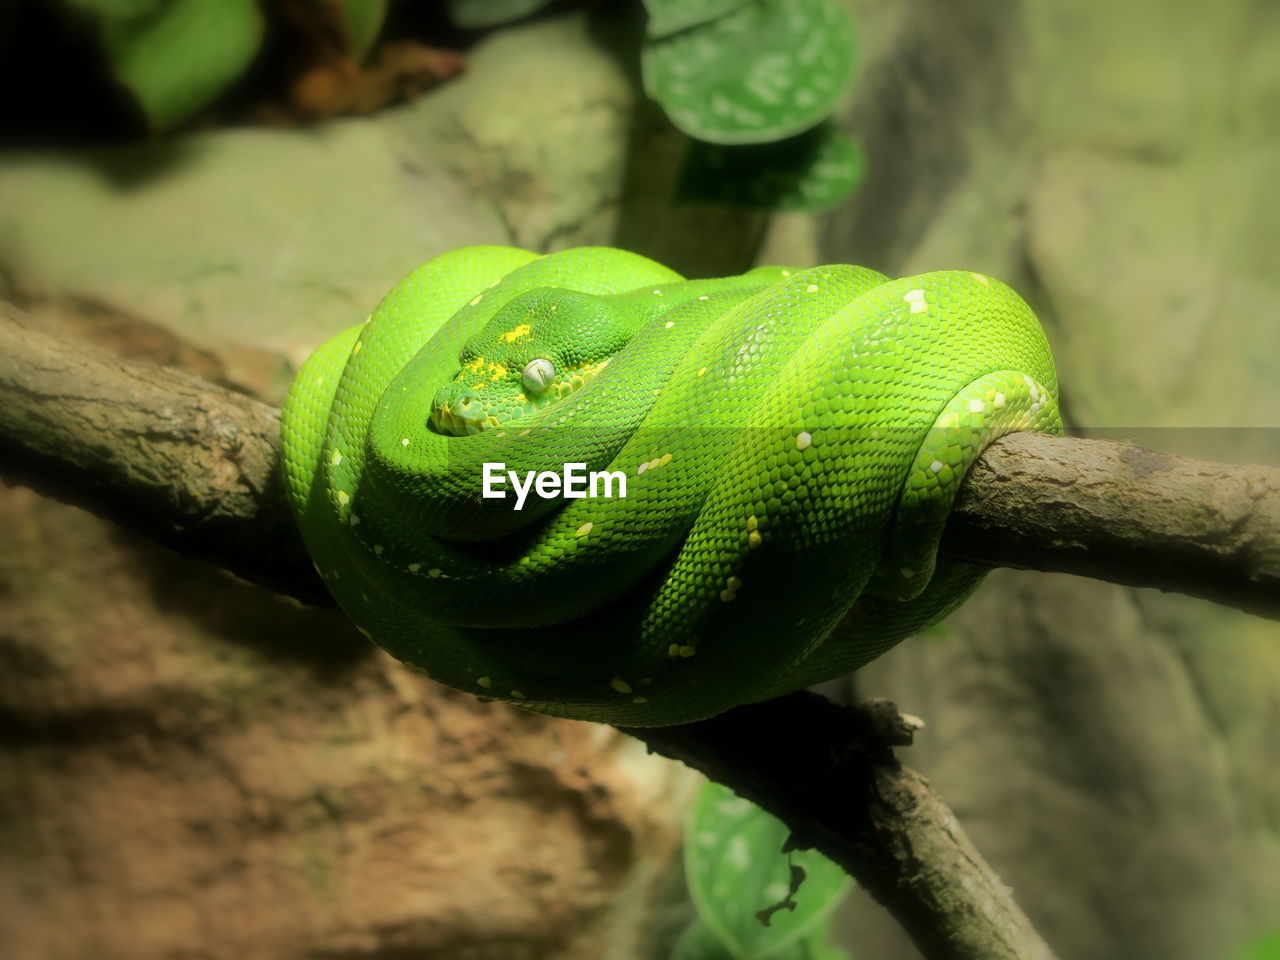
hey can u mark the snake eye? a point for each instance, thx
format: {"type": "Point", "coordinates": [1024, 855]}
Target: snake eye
{"type": "Point", "coordinates": [537, 375]}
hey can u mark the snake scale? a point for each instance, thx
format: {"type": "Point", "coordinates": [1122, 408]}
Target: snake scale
{"type": "Point", "coordinates": [791, 442]}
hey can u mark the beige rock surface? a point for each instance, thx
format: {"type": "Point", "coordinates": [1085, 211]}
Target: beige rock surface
{"type": "Point", "coordinates": [1111, 751]}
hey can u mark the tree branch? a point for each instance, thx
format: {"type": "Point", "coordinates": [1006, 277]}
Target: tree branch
{"type": "Point", "coordinates": [196, 467]}
{"type": "Point", "coordinates": [186, 462]}
{"type": "Point", "coordinates": [1120, 512]}
{"type": "Point", "coordinates": [830, 774]}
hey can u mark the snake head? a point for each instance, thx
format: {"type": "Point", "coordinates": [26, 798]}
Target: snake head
{"type": "Point", "coordinates": [538, 349]}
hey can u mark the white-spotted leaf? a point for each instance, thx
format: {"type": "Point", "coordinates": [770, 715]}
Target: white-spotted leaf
{"type": "Point", "coordinates": [812, 171]}
{"type": "Point", "coordinates": [671, 16]}
{"type": "Point", "coordinates": [736, 871]}
{"type": "Point", "coordinates": [697, 942]}
{"type": "Point", "coordinates": [768, 70]}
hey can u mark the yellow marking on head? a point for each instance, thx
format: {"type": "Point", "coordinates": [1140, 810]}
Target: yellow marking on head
{"type": "Point", "coordinates": [639, 699]}
{"type": "Point", "coordinates": [485, 682]}
{"type": "Point", "coordinates": [688, 650]}
{"type": "Point", "coordinates": [517, 695]}
{"type": "Point", "coordinates": [620, 685]}
{"type": "Point", "coordinates": [518, 332]}
{"type": "Point", "coordinates": [583, 530]}
{"type": "Point", "coordinates": [356, 348]}
{"type": "Point", "coordinates": [754, 539]}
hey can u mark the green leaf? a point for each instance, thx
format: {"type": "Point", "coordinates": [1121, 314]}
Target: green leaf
{"type": "Point", "coordinates": [1265, 948]}
{"type": "Point", "coordinates": [480, 14]}
{"type": "Point", "coordinates": [117, 8]}
{"type": "Point", "coordinates": [766, 71]}
{"type": "Point", "coordinates": [363, 19]}
{"type": "Point", "coordinates": [815, 170]}
{"type": "Point", "coordinates": [818, 948]}
{"type": "Point", "coordinates": [699, 943]}
{"type": "Point", "coordinates": [671, 16]}
{"type": "Point", "coordinates": [737, 872]}
{"type": "Point", "coordinates": [182, 54]}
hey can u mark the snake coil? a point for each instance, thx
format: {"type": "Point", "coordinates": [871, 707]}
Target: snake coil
{"type": "Point", "coordinates": [790, 440]}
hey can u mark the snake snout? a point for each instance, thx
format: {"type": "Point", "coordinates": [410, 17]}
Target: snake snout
{"type": "Point", "coordinates": [457, 414]}
{"type": "Point", "coordinates": [466, 407]}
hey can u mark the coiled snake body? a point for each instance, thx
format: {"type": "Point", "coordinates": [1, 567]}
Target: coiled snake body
{"type": "Point", "coordinates": [791, 442]}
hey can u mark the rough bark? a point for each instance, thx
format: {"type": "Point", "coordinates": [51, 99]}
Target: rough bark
{"type": "Point", "coordinates": [1124, 513]}
{"type": "Point", "coordinates": [193, 465]}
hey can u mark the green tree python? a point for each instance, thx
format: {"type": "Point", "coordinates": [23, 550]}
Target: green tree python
{"type": "Point", "coordinates": [791, 443]}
